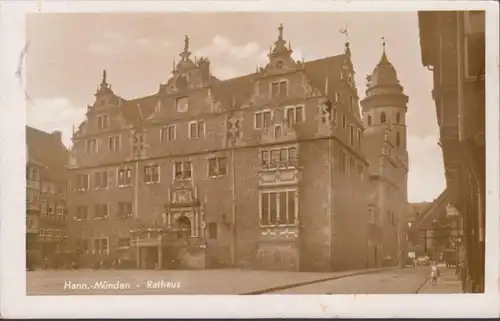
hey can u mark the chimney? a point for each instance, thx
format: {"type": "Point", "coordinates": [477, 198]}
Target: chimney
{"type": "Point", "coordinates": [57, 134]}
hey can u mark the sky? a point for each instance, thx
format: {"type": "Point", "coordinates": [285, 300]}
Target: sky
{"type": "Point", "coordinates": [67, 53]}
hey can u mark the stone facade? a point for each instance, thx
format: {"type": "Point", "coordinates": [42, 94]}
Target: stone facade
{"type": "Point", "coordinates": [266, 171]}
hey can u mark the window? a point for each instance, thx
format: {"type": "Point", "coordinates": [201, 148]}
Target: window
{"type": "Point", "coordinates": [351, 165]}
{"type": "Point", "coordinates": [351, 103]}
{"type": "Point", "coordinates": [101, 246]}
{"type": "Point", "coordinates": [182, 170]}
{"type": "Point", "coordinates": [101, 180]}
{"type": "Point", "coordinates": [474, 22]}
{"type": "Point", "coordinates": [369, 120]}
{"type": "Point", "coordinates": [82, 213]}
{"type": "Point", "coordinates": [344, 122]}
{"type": "Point", "coordinates": [383, 118]}
{"type": "Point", "coordinates": [124, 177]}
{"type": "Point", "coordinates": [398, 118]}
{"type": "Point", "coordinates": [359, 138]}
{"type": "Point", "coordinates": [279, 89]}
{"type": "Point", "coordinates": [43, 207]}
{"type": "Point", "coordinates": [114, 143]}
{"type": "Point", "coordinates": [337, 97]}
{"type": "Point", "coordinates": [151, 174]}
{"type": "Point", "coordinates": [278, 131]}
{"type": "Point", "coordinates": [217, 166]}
{"type": "Point", "coordinates": [81, 182]}
{"type": "Point", "coordinates": [167, 134]}
{"type": "Point", "coordinates": [91, 146]}
{"type": "Point", "coordinates": [398, 139]}
{"type": "Point", "coordinates": [124, 242]}
{"type": "Point", "coordinates": [196, 129]}
{"type": "Point", "coordinates": [351, 135]}
{"type": "Point", "coordinates": [294, 115]}
{"type": "Point", "coordinates": [342, 162]}
{"type": "Point", "coordinates": [60, 210]}
{"type": "Point", "coordinates": [262, 119]}
{"type": "Point", "coordinates": [101, 211]}
{"type": "Point", "coordinates": [212, 231]}
{"type": "Point", "coordinates": [82, 245]}
{"type": "Point", "coordinates": [286, 156]}
{"type": "Point", "coordinates": [124, 209]}
{"type": "Point", "coordinates": [182, 104]}
{"type": "Point", "coordinates": [102, 122]}
{"type": "Point", "coordinates": [278, 207]}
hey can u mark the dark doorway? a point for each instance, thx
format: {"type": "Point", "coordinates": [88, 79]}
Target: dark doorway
{"type": "Point", "coordinates": [151, 257]}
{"type": "Point", "coordinates": [184, 224]}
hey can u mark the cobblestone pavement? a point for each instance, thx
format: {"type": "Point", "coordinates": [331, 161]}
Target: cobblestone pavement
{"type": "Point", "coordinates": [396, 281]}
{"type": "Point", "coordinates": [448, 283]}
{"type": "Point", "coordinates": [227, 281]}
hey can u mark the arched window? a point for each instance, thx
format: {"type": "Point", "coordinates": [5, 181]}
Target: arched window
{"type": "Point", "coordinates": [398, 118]}
{"type": "Point", "coordinates": [383, 118]}
{"type": "Point", "coordinates": [369, 120]}
{"type": "Point", "coordinates": [398, 139]}
{"type": "Point", "coordinates": [278, 132]}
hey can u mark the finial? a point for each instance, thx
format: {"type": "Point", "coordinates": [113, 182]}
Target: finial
{"type": "Point", "coordinates": [173, 65]}
{"type": "Point", "coordinates": [383, 44]}
{"type": "Point", "coordinates": [186, 43]}
{"type": "Point", "coordinates": [280, 30]}
{"type": "Point", "coordinates": [104, 76]}
{"type": "Point", "coordinates": [289, 46]}
{"type": "Point", "coordinates": [270, 49]}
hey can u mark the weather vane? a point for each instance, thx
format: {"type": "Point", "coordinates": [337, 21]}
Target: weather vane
{"type": "Point", "coordinates": [345, 33]}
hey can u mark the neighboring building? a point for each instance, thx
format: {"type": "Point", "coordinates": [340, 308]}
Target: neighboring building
{"type": "Point", "coordinates": [46, 175]}
{"type": "Point", "coordinates": [384, 115]}
{"type": "Point", "coordinates": [266, 170]}
{"type": "Point", "coordinates": [453, 47]}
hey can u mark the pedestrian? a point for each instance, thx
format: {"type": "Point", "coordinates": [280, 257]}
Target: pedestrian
{"type": "Point", "coordinates": [434, 273]}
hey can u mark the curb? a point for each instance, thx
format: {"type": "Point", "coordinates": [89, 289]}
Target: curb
{"type": "Point", "coordinates": [294, 285]}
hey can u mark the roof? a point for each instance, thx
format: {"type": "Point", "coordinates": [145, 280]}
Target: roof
{"type": "Point", "coordinates": [234, 92]}
{"type": "Point", "coordinates": [433, 211]}
{"type": "Point", "coordinates": [48, 150]}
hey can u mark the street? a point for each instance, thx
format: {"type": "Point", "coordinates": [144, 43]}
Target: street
{"type": "Point", "coordinates": [230, 281]}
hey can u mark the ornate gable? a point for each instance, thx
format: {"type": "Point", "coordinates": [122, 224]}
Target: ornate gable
{"type": "Point", "coordinates": [280, 58]}
{"type": "Point", "coordinates": [187, 74]}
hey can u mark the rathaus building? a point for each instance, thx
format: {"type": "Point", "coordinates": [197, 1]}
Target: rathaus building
{"type": "Point", "coordinates": [278, 169]}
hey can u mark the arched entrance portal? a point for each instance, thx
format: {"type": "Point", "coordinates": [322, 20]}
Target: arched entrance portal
{"type": "Point", "coordinates": [184, 224]}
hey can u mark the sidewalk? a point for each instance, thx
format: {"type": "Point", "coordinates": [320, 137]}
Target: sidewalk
{"type": "Point", "coordinates": [448, 282]}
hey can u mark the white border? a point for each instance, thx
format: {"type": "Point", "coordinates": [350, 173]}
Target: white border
{"type": "Point", "coordinates": [15, 303]}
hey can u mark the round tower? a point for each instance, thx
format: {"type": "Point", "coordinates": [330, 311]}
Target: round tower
{"type": "Point", "coordinates": [384, 107]}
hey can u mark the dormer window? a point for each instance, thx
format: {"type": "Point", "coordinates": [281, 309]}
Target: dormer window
{"type": "Point", "coordinates": [102, 122]}
{"type": "Point", "coordinates": [279, 89]}
{"type": "Point", "coordinates": [181, 104]}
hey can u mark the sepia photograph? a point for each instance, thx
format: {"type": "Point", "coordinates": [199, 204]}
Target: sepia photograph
{"type": "Point", "coordinates": [305, 152]}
